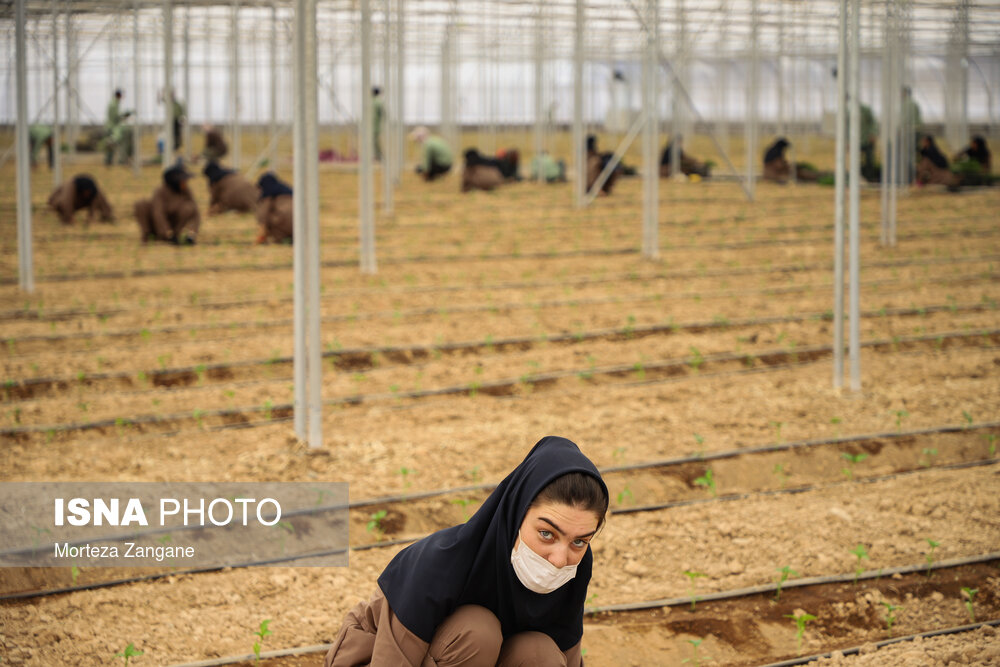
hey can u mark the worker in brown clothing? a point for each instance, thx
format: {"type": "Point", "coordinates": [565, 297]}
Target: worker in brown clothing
{"type": "Point", "coordinates": [172, 213]}
{"type": "Point", "coordinates": [229, 191]}
{"type": "Point", "coordinates": [480, 172]}
{"type": "Point", "coordinates": [596, 162]}
{"type": "Point", "coordinates": [274, 209]}
{"type": "Point", "coordinates": [80, 192]}
{"type": "Point", "coordinates": [215, 146]}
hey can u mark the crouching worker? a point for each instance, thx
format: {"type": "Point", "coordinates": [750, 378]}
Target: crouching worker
{"type": "Point", "coordinates": [481, 172]}
{"type": "Point", "coordinates": [546, 167]}
{"type": "Point", "coordinates": [274, 209]}
{"type": "Point", "coordinates": [596, 162]}
{"type": "Point", "coordinates": [505, 588]}
{"type": "Point", "coordinates": [172, 213]}
{"type": "Point", "coordinates": [689, 165]}
{"type": "Point", "coordinates": [229, 191]}
{"type": "Point", "coordinates": [78, 193]}
{"type": "Point", "coordinates": [437, 157]}
{"type": "Point", "coordinates": [932, 169]}
{"type": "Point", "coordinates": [777, 168]}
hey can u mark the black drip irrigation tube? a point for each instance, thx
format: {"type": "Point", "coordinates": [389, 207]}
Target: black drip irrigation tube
{"type": "Point", "coordinates": [629, 277]}
{"type": "Point", "coordinates": [726, 595]}
{"type": "Point", "coordinates": [856, 650]}
{"type": "Point", "coordinates": [437, 259]}
{"type": "Point", "coordinates": [771, 359]}
{"type": "Point", "coordinates": [489, 487]}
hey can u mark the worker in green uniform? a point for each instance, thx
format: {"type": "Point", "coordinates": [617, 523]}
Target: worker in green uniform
{"type": "Point", "coordinates": [437, 157]}
{"type": "Point", "coordinates": [118, 135]}
{"type": "Point", "coordinates": [38, 136]}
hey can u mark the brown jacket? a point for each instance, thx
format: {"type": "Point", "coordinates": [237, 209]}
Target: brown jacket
{"type": "Point", "coordinates": [778, 170]}
{"type": "Point", "coordinates": [168, 216]}
{"type": "Point", "coordinates": [232, 192]}
{"type": "Point", "coordinates": [215, 146]}
{"type": "Point", "coordinates": [481, 177]}
{"type": "Point", "coordinates": [274, 215]}
{"type": "Point", "coordinates": [78, 193]}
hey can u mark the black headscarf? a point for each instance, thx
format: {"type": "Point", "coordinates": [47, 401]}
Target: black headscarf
{"type": "Point", "coordinates": [175, 177]}
{"type": "Point", "coordinates": [86, 188]}
{"type": "Point", "coordinates": [978, 151]}
{"type": "Point", "coordinates": [932, 153]}
{"type": "Point", "coordinates": [215, 173]}
{"type": "Point", "coordinates": [271, 186]}
{"type": "Point", "coordinates": [470, 563]}
{"type": "Point", "coordinates": [776, 150]}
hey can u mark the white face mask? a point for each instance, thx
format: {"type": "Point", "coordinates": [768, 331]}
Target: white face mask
{"type": "Point", "coordinates": [536, 573]}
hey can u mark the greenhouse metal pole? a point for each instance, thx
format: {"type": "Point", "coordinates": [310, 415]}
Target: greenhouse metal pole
{"type": "Point", "coordinates": [539, 89]}
{"type": "Point", "coordinates": [56, 138]}
{"type": "Point", "coordinates": [750, 130]}
{"type": "Point", "coordinates": [387, 116]}
{"type": "Point", "coordinates": [579, 154]}
{"type": "Point", "coordinates": [895, 133]}
{"type": "Point", "coordinates": [273, 129]}
{"type": "Point", "coordinates": [399, 91]}
{"type": "Point", "coordinates": [187, 84]}
{"type": "Point", "coordinates": [883, 139]}
{"type": "Point", "coordinates": [447, 107]}
{"type": "Point", "coordinates": [168, 83]}
{"type": "Point", "coordinates": [838, 204]}
{"type": "Point", "coordinates": [26, 272]}
{"type": "Point", "coordinates": [854, 197]}
{"type": "Point", "coordinates": [234, 86]}
{"type": "Point", "coordinates": [650, 134]}
{"type": "Point", "coordinates": [680, 80]}
{"type": "Point", "coordinates": [72, 110]}
{"type": "Point", "coordinates": [366, 147]}
{"type": "Point", "coordinates": [136, 128]}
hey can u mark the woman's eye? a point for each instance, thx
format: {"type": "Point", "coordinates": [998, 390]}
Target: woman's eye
{"type": "Point", "coordinates": [579, 544]}
{"type": "Point", "coordinates": [545, 534]}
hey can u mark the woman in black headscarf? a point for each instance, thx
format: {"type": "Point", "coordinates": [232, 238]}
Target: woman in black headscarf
{"type": "Point", "coordinates": [505, 588]}
{"type": "Point", "coordinates": [932, 169]}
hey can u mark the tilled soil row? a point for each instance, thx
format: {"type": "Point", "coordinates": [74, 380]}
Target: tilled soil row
{"type": "Point", "coordinates": [647, 370]}
{"type": "Point", "coordinates": [638, 557]}
{"type": "Point", "coordinates": [789, 468]}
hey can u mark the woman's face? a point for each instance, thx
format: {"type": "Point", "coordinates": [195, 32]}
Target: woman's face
{"type": "Point", "coordinates": [558, 533]}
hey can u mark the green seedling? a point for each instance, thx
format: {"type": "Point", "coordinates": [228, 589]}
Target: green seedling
{"type": "Point", "coordinates": [74, 573]}
{"type": "Point", "coordinates": [696, 359]}
{"type": "Point", "coordinates": [695, 659]}
{"type": "Point", "coordinates": [130, 652]}
{"type": "Point", "coordinates": [464, 504]}
{"type": "Point", "coordinates": [929, 556]}
{"type": "Point", "coordinates": [640, 371]}
{"type": "Point", "coordinates": [267, 410]}
{"type": "Point", "coordinates": [777, 431]}
{"type": "Point", "coordinates": [626, 494]}
{"type": "Point", "coordinates": [928, 457]}
{"type": "Point", "coordinates": [967, 416]}
{"type": "Point", "coordinates": [405, 473]}
{"type": "Point", "coordinates": [800, 625]}
{"type": "Point", "coordinates": [861, 554]}
{"type": "Point", "coordinates": [707, 480]}
{"type": "Point", "coordinates": [475, 474]}
{"type": "Point", "coordinates": [618, 454]}
{"type": "Point", "coordinates": [968, 594]}
{"type": "Point", "coordinates": [890, 615]}
{"type": "Point", "coordinates": [785, 572]}
{"type": "Point", "coordinates": [692, 575]}
{"type": "Point", "coordinates": [779, 470]}
{"type": "Point", "coordinates": [374, 524]}
{"type": "Point", "coordinates": [262, 632]}
{"type": "Point", "coordinates": [900, 415]}
{"type": "Point", "coordinates": [991, 440]}
{"type": "Point", "coordinates": [852, 460]}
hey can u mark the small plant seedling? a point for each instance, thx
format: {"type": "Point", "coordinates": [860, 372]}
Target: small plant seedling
{"type": "Point", "coordinates": [967, 416]}
{"type": "Point", "coordinates": [374, 524]}
{"type": "Point", "coordinates": [695, 659]}
{"type": "Point", "coordinates": [625, 494]}
{"type": "Point", "coordinates": [968, 594]}
{"type": "Point", "coordinates": [619, 454]}
{"type": "Point", "coordinates": [696, 359]}
{"type": "Point", "coordinates": [991, 439]}
{"type": "Point", "coordinates": [800, 625]}
{"type": "Point", "coordinates": [74, 573]}
{"type": "Point", "coordinates": [890, 615]}
{"type": "Point", "coordinates": [262, 632]}
{"type": "Point", "coordinates": [900, 415]}
{"type": "Point", "coordinates": [475, 474]}
{"type": "Point", "coordinates": [779, 470]}
{"type": "Point", "coordinates": [777, 431]}
{"type": "Point", "coordinates": [852, 460]}
{"type": "Point", "coordinates": [927, 459]}
{"type": "Point", "coordinates": [929, 557]}
{"type": "Point", "coordinates": [130, 652]}
{"type": "Point", "coordinates": [786, 572]}
{"type": "Point", "coordinates": [405, 473]}
{"type": "Point", "coordinates": [707, 480]}
{"type": "Point", "coordinates": [463, 503]}
{"type": "Point", "coordinates": [862, 554]}
{"type": "Point", "coordinates": [692, 575]}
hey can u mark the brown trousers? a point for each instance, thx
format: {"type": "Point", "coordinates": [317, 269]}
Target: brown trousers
{"type": "Point", "coordinates": [470, 637]}
{"type": "Point", "coordinates": [274, 218]}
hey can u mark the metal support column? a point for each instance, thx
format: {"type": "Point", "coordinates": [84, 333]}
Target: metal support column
{"type": "Point", "coordinates": [399, 90]}
{"type": "Point", "coordinates": [750, 131]}
{"type": "Point", "coordinates": [838, 201]}
{"type": "Point", "coordinates": [448, 129]}
{"type": "Point", "coordinates": [680, 82]}
{"type": "Point", "coordinates": [956, 98]}
{"type": "Point", "coordinates": [366, 212]}
{"type": "Point", "coordinates": [651, 135]}
{"type": "Point", "coordinates": [308, 351]}
{"type": "Point", "coordinates": [26, 272]}
{"type": "Point", "coordinates": [539, 138]}
{"type": "Point", "coordinates": [168, 83]}
{"type": "Point", "coordinates": [136, 128]}
{"type": "Point", "coordinates": [273, 129]}
{"type": "Point", "coordinates": [579, 152]}
{"type": "Point", "coordinates": [186, 138]}
{"type": "Point", "coordinates": [56, 120]}
{"type": "Point", "coordinates": [234, 87]}
{"type": "Point", "coordinates": [387, 116]}
{"type": "Point", "coordinates": [854, 198]}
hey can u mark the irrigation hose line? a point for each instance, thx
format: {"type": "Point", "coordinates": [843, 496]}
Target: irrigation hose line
{"type": "Point", "coordinates": [438, 259]}
{"type": "Point", "coordinates": [628, 277]}
{"type": "Point", "coordinates": [746, 592]}
{"type": "Point", "coordinates": [888, 642]}
{"type": "Point", "coordinates": [811, 353]}
{"type": "Point", "coordinates": [408, 540]}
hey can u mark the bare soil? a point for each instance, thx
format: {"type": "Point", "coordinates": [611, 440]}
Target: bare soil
{"type": "Point", "coordinates": [496, 319]}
